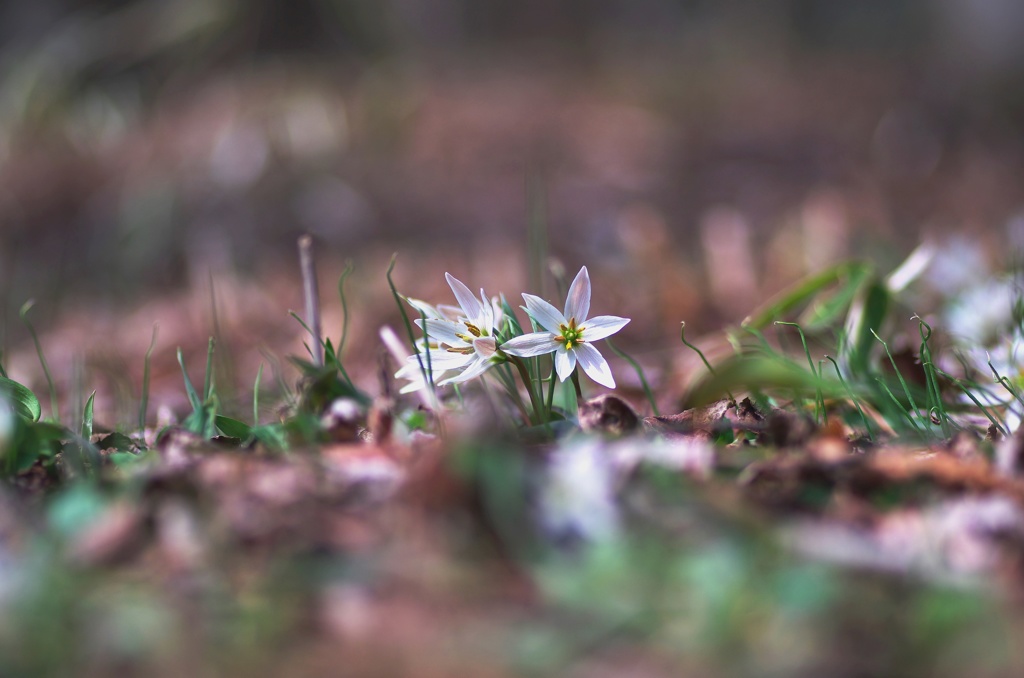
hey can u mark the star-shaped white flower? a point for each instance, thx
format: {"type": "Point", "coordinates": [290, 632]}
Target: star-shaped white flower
{"type": "Point", "coordinates": [411, 371]}
{"type": "Point", "coordinates": [570, 334]}
{"type": "Point", "coordinates": [465, 344]}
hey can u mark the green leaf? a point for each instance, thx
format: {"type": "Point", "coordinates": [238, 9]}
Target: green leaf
{"type": "Point", "coordinates": [127, 459]}
{"type": "Point", "coordinates": [867, 315]}
{"type": "Point", "coordinates": [208, 381]}
{"type": "Point", "coordinates": [82, 456]}
{"type": "Point", "coordinates": [515, 329]}
{"type": "Point", "coordinates": [302, 428]}
{"type": "Point", "coordinates": [87, 417]}
{"type": "Point", "coordinates": [322, 386]}
{"type": "Point", "coordinates": [826, 312]}
{"type": "Point", "coordinates": [802, 292]}
{"type": "Point", "coordinates": [758, 373]}
{"type": "Point", "coordinates": [30, 442]}
{"type": "Point", "coordinates": [233, 427]}
{"type": "Point", "coordinates": [193, 396]}
{"type": "Point", "coordinates": [25, 403]}
{"type": "Point", "coordinates": [271, 436]}
{"type": "Point", "coordinates": [203, 421]}
{"type": "Point", "coordinates": [120, 442]}
{"type": "Point", "coordinates": [50, 432]}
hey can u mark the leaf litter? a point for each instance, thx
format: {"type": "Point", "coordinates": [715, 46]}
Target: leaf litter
{"type": "Point", "coordinates": [776, 506]}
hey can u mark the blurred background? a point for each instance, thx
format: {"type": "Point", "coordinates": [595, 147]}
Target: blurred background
{"type": "Point", "coordinates": [159, 158]}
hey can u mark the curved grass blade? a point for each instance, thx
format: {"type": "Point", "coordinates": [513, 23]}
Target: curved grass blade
{"type": "Point", "coordinates": [853, 398]}
{"type": "Point", "coordinates": [903, 410]}
{"type": "Point", "coordinates": [819, 400]}
{"type": "Point", "coordinates": [1005, 383]}
{"type": "Point", "coordinates": [959, 383]}
{"type": "Point", "coordinates": [190, 390]}
{"type": "Point", "coordinates": [700, 353]}
{"type": "Point", "coordinates": [935, 403]}
{"type": "Point", "coordinates": [23, 314]}
{"type": "Point", "coordinates": [914, 411]}
{"type": "Point", "coordinates": [639, 372]}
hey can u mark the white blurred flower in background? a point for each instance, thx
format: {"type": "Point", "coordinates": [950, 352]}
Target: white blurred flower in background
{"type": "Point", "coordinates": [577, 498]}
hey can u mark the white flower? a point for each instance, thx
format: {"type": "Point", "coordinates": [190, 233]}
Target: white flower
{"type": "Point", "coordinates": [577, 494]}
{"type": "Point", "coordinates": [982, 313]}
{"type": "Point", "coordinates": [410, 370]}
{"type": "Point", "coordinates": [439, 312]}
{"type": "Point", "coordinates": [569, 334]}
{"type": "Point", "coordinates": [467, 343]}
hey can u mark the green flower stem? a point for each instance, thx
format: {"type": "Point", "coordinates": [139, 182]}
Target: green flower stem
{"type": "Point", "coordinates": [579, 391]}
{"type": "Point", "coordinates": [524, 374]}
{"type": "Point", "coordinates": [504, 376]}
{"type": "Point", "coordinates": [552, 381]}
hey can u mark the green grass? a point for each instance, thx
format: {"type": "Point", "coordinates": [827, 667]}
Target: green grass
{"type": "Point", "coordinates": [692, 574]}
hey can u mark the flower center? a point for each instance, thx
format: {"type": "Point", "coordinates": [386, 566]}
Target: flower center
{"type": "Point", "coordinates": [570, 335]}
{"type": "Point", "coordinates": [474, 332]}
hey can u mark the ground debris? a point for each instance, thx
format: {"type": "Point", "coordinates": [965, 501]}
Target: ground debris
{"type": "Point", "coordinates": [708, 421]}
{"type": "Point", "coordinates": [609, 415]}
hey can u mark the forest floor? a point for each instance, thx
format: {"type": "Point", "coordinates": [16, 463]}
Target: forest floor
{"type": "Point", "coordinates": [821, 475]}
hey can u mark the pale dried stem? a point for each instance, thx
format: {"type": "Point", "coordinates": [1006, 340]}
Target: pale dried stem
{"type": "Point", "coordinates": [312, 294]}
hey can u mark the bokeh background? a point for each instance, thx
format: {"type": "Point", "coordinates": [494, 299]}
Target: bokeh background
{"type": "Point", "coordinates": [159, 159]}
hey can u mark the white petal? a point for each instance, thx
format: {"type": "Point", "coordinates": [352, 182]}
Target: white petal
{"type": "Point", "coordinates": [438, 331]}
{"type": "Point", "coordinates": [530, 345]}
{"type": "Point", "coordinates": [424, 308]}
{"type": "Point", "coordinates": [486, 319]}
{"type": "Point", "coordinates": [565, 362]}
{"type": "Point", "coordinates": [602, 326]}
{"type": "Point", "coordinates": [408, 371]}
{"type": "Point", "coordinates": [440, 360]}
{"type": "Point", "coordinates": [577, 304]}
{"type": "Point", "coordinates": [414, 386]}
{"type": "Point", "coordinates": [449, 312]}
{"type": "Point", "coordinates": [473, 370]}
{"type": "Point", "coordinates": [485, 346]}
{"type": "Point", "coordinates": [546, 315]}
{"type": "Point", "coordinates": [594, 364]}
{"type": "Point", "coordinates": [412, 373]}
{"type": "Point", "coordinates": [469, 303]}
{"type": "Point", "coordinates": [499, 313]}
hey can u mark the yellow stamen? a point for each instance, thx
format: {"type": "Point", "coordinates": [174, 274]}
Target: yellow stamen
{"type": "Point", "coordinates": [571, 334]}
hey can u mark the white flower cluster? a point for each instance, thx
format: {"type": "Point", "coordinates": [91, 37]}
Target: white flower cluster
{"type": "Point", "coordinates": [461, 343]}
